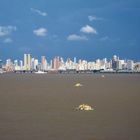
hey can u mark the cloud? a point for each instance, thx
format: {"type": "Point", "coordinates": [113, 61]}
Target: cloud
{"type": "Point", "coordinates": [39, 12]}
{"type": "Point", "coordinates": [8, 40]}
{"type": "Point", "coordinates": [88, 29]}
{"type": "Point", "coordinates": [7, 30]}
{"type": "Point", "coordinates": [93, 18]}
{"type": "Point", "coordinates": [75, 37]}
{"type": "Point", "coordinates": [40, 32]}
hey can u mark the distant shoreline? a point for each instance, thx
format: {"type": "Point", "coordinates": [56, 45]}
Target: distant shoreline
{"type": "Point", "coordinates": [73, 72]}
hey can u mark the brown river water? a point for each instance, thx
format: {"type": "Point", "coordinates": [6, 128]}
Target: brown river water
{"type": "Point", "coordinates": [42, 107]}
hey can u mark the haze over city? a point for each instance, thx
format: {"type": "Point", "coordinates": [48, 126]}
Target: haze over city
{"type": "Point", "coordinates": [88, 29]}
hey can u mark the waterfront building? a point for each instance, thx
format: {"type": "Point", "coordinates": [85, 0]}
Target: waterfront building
{"type": "Point", "coordinates": [43, 63]}
{"type": "Point", "coordinates": [9, 65]}
{"type": "Point", "coordinates": [56, 63]}
{"type": "Point", "coordinates": [70, 64]}
{"type": "Point", "coordinates": [36, 63]}
{"type": "Point", "coordinates": [75, 60]}
{"type": "Point", "coordinates": [137, 66]}
{"type": "Point", "coordinates": [21, 64]}
{"type": "Point", "coordinates": [0, 64]}
{"type": "Point", "coordinates": [130, 65]}
{"type": "Point", "coordinates": [32, 63]}
{"type": "Point", "coordinates": [16, 66]}
{"type": "Point", "coordinates": [27, 62]}
{"type": "Point", "coordinates": [115, 60]}
{"type": "Point", "coordinates": [118, 65]}
{"type": "Point", "coordinates": [15, 62]}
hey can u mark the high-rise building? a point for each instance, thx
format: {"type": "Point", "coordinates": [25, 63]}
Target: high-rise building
{"type": "Point", "coordinates": [32, 63]}
{"type": "Point", "coordinates": [9, 65]}
{"type": "Point", "coordinates": [36, 64]}
{"type": "Point", "coordinates": [16, 66]}
{"type": "Point", "coordinates": [51, 64]}
{"type": "Point", "coordinates": [27, 61]}
{"type": "Point", "coordinates": [0, 63]}
{"type": "Point", "coordinates": [16, 62]}
{"type": "Point", "coordinates": [56, 63]}
{"type": "Point", "coordinates": [21, 65]}
{"type": "Point", "coordinates": [114, 62]}
{"type": "Point", "coordinates": [130, 65]}
{"type": "Point", "coordinates": [118, 65]}
{"type": "Point", "coordinates": [43, 63]}
{"type": "Point", "coordinates": [74, 60]}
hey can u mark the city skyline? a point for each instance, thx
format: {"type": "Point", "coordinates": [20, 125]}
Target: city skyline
{"type": "Point", "coordinates": [32, 64]}
{"type": "Point", "coordinates": [84, 29]}
{"type": "Point", "coordinates": [27, 57]}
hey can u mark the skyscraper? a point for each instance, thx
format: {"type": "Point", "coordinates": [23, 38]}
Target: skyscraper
{"type": "Point", "coordinates": [114, 62]}
{"type": "Point", "coordinates": [130, 65]}
{"type": "Point", "coordinates": [0, 63]}
{"type": "Point", "coordinates": [74, 60]}
{"type": "Point", "coordinates": [21, 65]}
{"type": "Point", "coordinates": [56, 63]}
{"type": "Point", "coordinates": [27, 61]}
{"type": "Point", "coordinates": [43, 63]}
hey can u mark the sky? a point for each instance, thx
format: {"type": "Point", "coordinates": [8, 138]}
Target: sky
{"type": "Point", "coordinates": [86, 29]}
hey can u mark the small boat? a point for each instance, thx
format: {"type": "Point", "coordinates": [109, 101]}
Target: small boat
{"type": "Point", "coordinates": [78, 85]}
{"type": "Point", "coordinates": [84, 107]}
{"type": "Point", "coordinates": [40, 72]}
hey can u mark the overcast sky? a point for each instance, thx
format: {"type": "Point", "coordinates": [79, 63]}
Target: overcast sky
{"type": "Point", "coordinates": [87, 29]}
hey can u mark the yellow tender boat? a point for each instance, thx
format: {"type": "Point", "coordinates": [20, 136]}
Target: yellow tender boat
{"type": "Point", "coordinates": [84, 107]}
